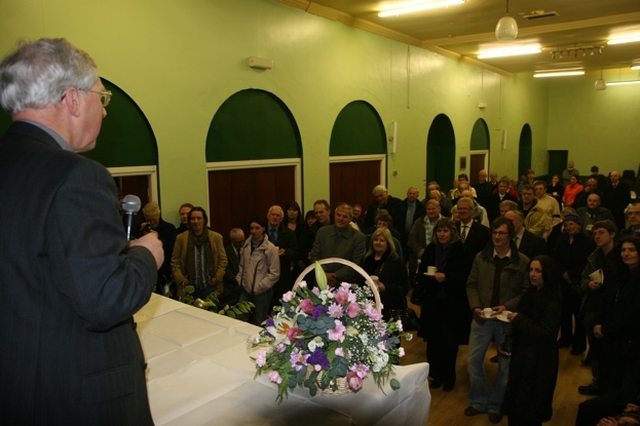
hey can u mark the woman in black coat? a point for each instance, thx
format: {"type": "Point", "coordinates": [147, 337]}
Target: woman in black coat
{"type": "Point", "coordinates": [534, 354]}
{"type": "Point", "coordinates": [445, 318]}
{"type": "Point", "coordinates": [383, 261]}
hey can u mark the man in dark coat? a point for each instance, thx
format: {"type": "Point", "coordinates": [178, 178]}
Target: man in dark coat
{"type": "Point", "coordinates": [474, 236]}
{"type": "Point", "coordinates": [71, 282]}
{"type": "Point", "coordinates": [617, 197]}
{"type": "Point", "coordinates": [285, 241]}
{"type": "Point", "coordinates": [231, 293]}
{"type": "Point", "coordinates": [382, 200]}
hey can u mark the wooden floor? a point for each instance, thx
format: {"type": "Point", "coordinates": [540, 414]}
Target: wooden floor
{"type": "Point", "coordinates": [447, 408]}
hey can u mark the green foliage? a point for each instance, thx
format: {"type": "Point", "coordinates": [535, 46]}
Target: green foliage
{"type": "Point", "coordinates": [212, 303]}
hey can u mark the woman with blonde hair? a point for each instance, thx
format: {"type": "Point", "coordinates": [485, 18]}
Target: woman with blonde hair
{"type": "Point", "coordinates": [382, 260]}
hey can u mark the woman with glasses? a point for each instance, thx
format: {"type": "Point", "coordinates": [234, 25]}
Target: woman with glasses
{"type": "Point", "coordinates": [445, 317]}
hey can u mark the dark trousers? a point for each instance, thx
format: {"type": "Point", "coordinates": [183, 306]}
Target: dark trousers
{"type": "Point", "coordinates": [442, 352]}
{"type": "Point", "coordinates": [571, 314]}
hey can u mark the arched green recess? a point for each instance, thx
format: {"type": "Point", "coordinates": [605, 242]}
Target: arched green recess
{"type": "Point", "coordinates": [441, 151]}
{"type": "Point", "coordinates": [126, 138]}
{"type": "Point", "coordinates": [480, 136]}
{"type": "Point", "coordinates": [253, 125]}
{"type": "Point", "coordinates": [358, 130]}
{"type": "Point", "coordinates": [524, 152]}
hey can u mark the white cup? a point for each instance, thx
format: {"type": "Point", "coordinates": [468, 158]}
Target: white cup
{"type": "Point", "coordinates": [431, 270]}
{"type": "Point", "coordinates": [487, 312]}
{"type": "Point", "coordinates": [375, 279]}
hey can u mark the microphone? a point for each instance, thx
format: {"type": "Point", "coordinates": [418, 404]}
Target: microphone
{"type": "Point", "coordinates": [131, 206]}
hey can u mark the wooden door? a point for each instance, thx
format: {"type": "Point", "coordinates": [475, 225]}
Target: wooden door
{"type": "Point", "coordinates": [136, 185]}
{"type": "Point", "coordinates": [477, 162]}
{"type": "Point", "coordinates": [353, 182]}
{"type": "Point", "coordinates": [236, 196]}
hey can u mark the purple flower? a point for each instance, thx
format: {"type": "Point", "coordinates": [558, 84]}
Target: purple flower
{"type": "Point", "coordinates": [319, 311]}
{"type": "Point", "coordinates": [318, 358]}
{"type": "Point", "coordinates": [270, 322]}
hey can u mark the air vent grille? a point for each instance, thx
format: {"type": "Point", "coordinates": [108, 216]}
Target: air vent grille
{"type": "Point", "coordinates": [539, 14]}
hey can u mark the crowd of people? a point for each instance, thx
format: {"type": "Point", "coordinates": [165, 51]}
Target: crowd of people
{"type": "Point", "coordinates": [498, 263]}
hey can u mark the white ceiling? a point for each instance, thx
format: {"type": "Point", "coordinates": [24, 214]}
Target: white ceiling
{"type": "Point", "coordinates": [462, 30]}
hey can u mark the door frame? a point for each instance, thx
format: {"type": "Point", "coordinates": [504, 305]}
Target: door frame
{"type": "Point", "coordinates": [150, 171]}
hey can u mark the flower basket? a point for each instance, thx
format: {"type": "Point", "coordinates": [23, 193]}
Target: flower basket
{"type": "Point", "coordinates": [328, 339]}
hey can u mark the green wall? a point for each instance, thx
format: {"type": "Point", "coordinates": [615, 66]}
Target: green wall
{"type": "Point", "coordinates": [181, 60]}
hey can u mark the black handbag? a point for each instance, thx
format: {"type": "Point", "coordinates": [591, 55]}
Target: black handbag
{"type": "Point", "coordinates": [408, 316]}
{"type": "Point", "coordinates": [418, 295]}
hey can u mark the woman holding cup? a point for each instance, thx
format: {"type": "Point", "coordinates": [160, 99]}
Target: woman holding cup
{"type": "Point", "coordinates": [445, 317]}
{"type": "Point", "coordinates": [534, 355]}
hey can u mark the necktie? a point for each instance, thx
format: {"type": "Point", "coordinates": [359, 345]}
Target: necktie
{"type": "Point", "coordinates": [411, 208]}
{"type": "Point", "coordinates": [463, 234]}
{"type": "Point", "coordinates": [516, 240]}
{"type": "Point", "coordinates": [272, 235]}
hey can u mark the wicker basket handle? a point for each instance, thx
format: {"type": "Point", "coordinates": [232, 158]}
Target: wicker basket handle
{"type": "Point", "coordinates": [369, 281]}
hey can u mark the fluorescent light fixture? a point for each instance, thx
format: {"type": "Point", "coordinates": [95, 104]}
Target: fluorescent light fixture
{"type": "Point", "coordinates": [622, 83]}
{"type": "Point", "coordinates": [542, 74]}
{"type": "Point", "coordinates": [635, 67]}
{"type": "Point", "coordinates": [417, 6]}
{"type": "Point", "coordinates": [626, 39]}
{"type": "Point", "coordinates": [502, 52]}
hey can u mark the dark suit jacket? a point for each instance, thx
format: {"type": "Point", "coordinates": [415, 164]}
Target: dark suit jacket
{"type": "Point", "coordinates": [286, 240]}
{"type": "Point", "coordinates": [493, 204]}
{"type": "Point", "coordinates": [477, 237]}
{"type": "Point", "coordinates": [532, 245]}
{"type": "Point", "coordinates": [617, 199]}
{"type": "Point", "coordinates": [70, 352]}
{"type": "Point", "coordinates": [231, 293]}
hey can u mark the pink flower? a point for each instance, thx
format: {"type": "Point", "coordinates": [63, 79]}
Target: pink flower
{"type": "Point", "coordinates": [335, 310]}
{"type": "Point", "coordinates": [293, 333]}
{"type": "Point", "coordinates": [339, 352]}
{"type": "Point", "coordinates": [288, 296]}
{"type": "Point", "coordinates": [274, 376]}
{"type": "Point", "coordinates": [353, 310]}
{"type": "Point", "coordinates": [337, 333]}
{"type": "Point", "coordinates": [307, 306]}
{"type": "Point", "coordinates": [372, 313]}
{"type": "Point", "coordinates": [341, 296]}
{"type": "Point", "coordinates": [355, 382]}
{"type": "Point", "coordinates": [298, 359]}
{"type": "Point", "coordinates": [399, 325]}
{"type": "Point", "coordinates": [401, 352]}
{"type": "Point", "coordinates": [261, 358]}
{"type": "Point", "coordinates": [360, 370]}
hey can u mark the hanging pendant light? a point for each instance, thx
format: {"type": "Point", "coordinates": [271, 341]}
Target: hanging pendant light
{"type": "Point", "coordinates": [600, 83]}
{"type": "Point", "coordinates": [507, 28]}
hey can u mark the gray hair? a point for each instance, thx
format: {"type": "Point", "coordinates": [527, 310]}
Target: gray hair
{"type": "Point", "coordinates": [37, 74]}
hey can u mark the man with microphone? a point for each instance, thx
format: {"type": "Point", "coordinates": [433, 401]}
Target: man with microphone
{"type": "Point", "coordinates": [70, 281]}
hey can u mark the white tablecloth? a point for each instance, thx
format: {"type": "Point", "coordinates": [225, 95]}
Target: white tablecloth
{"type": "Point", "coordinates": [199, 373]}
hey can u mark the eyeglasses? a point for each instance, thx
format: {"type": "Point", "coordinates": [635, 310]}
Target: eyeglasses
{"type": "Point", "coordinates": [105, 96]}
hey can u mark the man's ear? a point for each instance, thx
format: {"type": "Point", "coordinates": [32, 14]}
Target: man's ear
{"type": "Point", "coordinates": [71, 100]}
